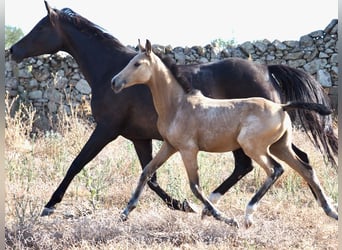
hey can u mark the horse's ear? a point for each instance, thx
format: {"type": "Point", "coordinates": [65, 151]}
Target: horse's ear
{"type": "Point", "coordinates": [148, 47]}
{"type": "Point", "coordinates": [47, 6]}
{"type": "Point", "coordinates": [52, 13]}
{"type": "Point", "coordinates": [141, 48]}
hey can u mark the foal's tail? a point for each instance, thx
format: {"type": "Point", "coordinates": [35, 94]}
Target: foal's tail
{"type": "Point", "coordinates": [299, 86]}
{"type": "Point", "coordinates": [319, 108]}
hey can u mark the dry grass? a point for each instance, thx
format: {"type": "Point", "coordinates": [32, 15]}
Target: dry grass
{"type": "Point", "coordinates": [287, 217]}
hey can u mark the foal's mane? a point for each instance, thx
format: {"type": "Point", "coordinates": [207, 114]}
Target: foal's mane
{"type": "Point", "coordinates": [174, 68]}
{"type": "Point", "coordinates": [86, 26]}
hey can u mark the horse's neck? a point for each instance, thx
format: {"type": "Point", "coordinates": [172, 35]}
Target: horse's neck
{"type": "Point", "coordinates": [166, 92]}
{"type": "Point", "coordinates": [95, 56]}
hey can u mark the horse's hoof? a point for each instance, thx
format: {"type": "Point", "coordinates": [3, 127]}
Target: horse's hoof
{"type": "Point", "coordinates": [186, 207]}
{"type": "Point", "coordinates": [205, 212]}
{"type": "Point", "coordinates": [48, 211]}
{"type": "Point", "coordinates": [232, 222]}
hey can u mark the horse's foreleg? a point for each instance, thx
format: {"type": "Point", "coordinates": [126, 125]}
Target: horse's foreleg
{"type": "Point", "coordinates": [144, 152]}
{"type": "Point", "coordinates": [98, 139]}
{"type": "Point", "coordinates": [163, 154]}
{"type": "Point", "coordinates": [189, 158]}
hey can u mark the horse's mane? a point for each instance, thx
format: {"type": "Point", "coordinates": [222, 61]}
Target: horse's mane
{"type": "Point", "coordinates": [86, 26]}
{"type": "Point", "coordinates": [174, 68]}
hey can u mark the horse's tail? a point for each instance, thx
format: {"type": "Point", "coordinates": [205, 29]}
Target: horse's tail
{"type": "Point", "coordinates": [296, 85]}
{"type": "Point", "coordinates": [319, 108]}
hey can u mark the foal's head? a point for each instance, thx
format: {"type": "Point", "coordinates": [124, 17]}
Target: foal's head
{"type": "Point", "coordinates": [138, 71]}
{"type": "Point", "coordinates": [143, 66]}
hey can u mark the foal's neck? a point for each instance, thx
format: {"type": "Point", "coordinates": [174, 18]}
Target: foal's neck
{"type": "Point", "coordinates": [166, 91]}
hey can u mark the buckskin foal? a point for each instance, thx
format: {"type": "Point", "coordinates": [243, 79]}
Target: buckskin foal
{"type": "Point", "coordinates": [189, 122]}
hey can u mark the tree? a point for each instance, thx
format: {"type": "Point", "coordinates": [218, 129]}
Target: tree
{"type": "Point", "coordinates": [12, 35]}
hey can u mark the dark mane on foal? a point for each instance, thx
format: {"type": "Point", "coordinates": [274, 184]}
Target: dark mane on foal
{"type": "Point", "coordinates": [173, 67]}
{"type": "Point", "coordinates": [86, 26]}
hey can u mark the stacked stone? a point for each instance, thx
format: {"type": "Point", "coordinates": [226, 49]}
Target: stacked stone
{"type": "Point", "coordinates": [54, 82]}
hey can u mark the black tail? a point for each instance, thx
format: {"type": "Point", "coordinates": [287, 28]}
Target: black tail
{"type": "Point", "coordinates": [297, 86]}
{"type": "Point", "coordinates": [319, 108]}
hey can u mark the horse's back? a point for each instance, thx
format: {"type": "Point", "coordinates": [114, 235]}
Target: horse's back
{"type": "Point", "coordinates": [232, 78]}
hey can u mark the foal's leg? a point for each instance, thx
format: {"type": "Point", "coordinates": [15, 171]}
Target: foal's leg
{"type": "Point", "coordinates": [243, 165]}
{"type": "Point", "coordinates": [284, 152]}
{"type": "Point", "coordinates": [190, 161]}
{"type": "Point", "coordinates": [274, 170]}
{"type": "Point", "coordinates": [163, 154]}
{"type": "Point", "coordinates": [144, 152]}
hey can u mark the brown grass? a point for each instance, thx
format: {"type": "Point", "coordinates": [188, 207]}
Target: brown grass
{"type": "Point", "coordinates": [87, 218]}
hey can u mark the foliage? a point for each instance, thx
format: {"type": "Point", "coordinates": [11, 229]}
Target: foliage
{"type": "Point", "coordinates": [221, 43]}
{"type": "Point", "coordinates": [88, 217]}
{"type": "Point", "coordinates": [12, 35]}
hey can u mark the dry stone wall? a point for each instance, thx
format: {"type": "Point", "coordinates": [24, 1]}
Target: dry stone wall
{"type": "Point", "coordinates": [52, 83]}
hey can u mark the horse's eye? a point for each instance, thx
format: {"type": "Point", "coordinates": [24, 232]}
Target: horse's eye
{"type": "Point", "coordinates": [137, 64]}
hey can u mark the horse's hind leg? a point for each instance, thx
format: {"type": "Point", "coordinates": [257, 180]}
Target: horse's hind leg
{"type": "Point", "coordinates": [284, 153]}
{"type": "Point", "coordinates": [189, 158]}
{"type": "Point", "coordinates": [274, 170]}
{"type": "Point", "coordinates": [243, 165]}
{"type": "Point", "coordinates": [144, 152]}
{"type": "Point", "coordinates": [163, 154]}
{"type": "Point", "coordinates": [300, 154]}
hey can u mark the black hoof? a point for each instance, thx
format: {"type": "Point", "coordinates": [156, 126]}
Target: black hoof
{"type": "Point", "coordinates": [48, 211]}
{"type": "Point", "coordinates": [186, 207]}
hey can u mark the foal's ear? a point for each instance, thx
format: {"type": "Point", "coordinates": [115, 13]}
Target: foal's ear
{"type": "Point", "coordinates": [141, 48]}
{"type": "Point", "coordinates": [52, 13]}
{"type": "Point", "coordinates": [148, 47]}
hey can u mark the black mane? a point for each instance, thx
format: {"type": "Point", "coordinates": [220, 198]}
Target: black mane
{"type": "Point", "coordinates": [174, 68]}
{"type": "Point", "coordinates": [86, 26]}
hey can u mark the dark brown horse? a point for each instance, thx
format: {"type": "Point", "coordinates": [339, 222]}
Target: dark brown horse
{"type": "Point", "coordinates": [134, 116]}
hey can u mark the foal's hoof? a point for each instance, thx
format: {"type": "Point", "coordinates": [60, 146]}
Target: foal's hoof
{"type": "Point", "coordinates": [218, 216]}
{"type": "Point", "coordinates": [186, 207]}
{"type": "Point", "coordinates": [48, 211]}
{"type": "Point", "coordinates": [231, 222]}
{"type": "Point", "coordinates": [248, 221]}
{"type": "Point", "coordinates": [123, 217]}
{"type": "Point", "coordinates": [205, 212]}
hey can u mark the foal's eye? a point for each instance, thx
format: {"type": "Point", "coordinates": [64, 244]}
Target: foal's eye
{"type": "Point", "coordinates": [137, 64]}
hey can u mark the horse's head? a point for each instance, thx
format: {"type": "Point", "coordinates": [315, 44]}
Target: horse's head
{"type": "Point", "coordinates": [44, 38]}
{"type": "Point", "coordinates": [137, 71]}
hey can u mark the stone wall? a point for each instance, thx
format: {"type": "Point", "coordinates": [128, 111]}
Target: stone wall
{"type": "Point", "coordinates": [54, 82]}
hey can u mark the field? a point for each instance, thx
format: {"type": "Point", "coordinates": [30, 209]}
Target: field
{"type": "Point", "coordinates": [88, 217]}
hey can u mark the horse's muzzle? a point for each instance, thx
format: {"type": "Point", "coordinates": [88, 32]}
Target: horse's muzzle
{"type": "Point", "coordinates": [117, 84]}
{"type": "Point", "coordinates": [15, 54]}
